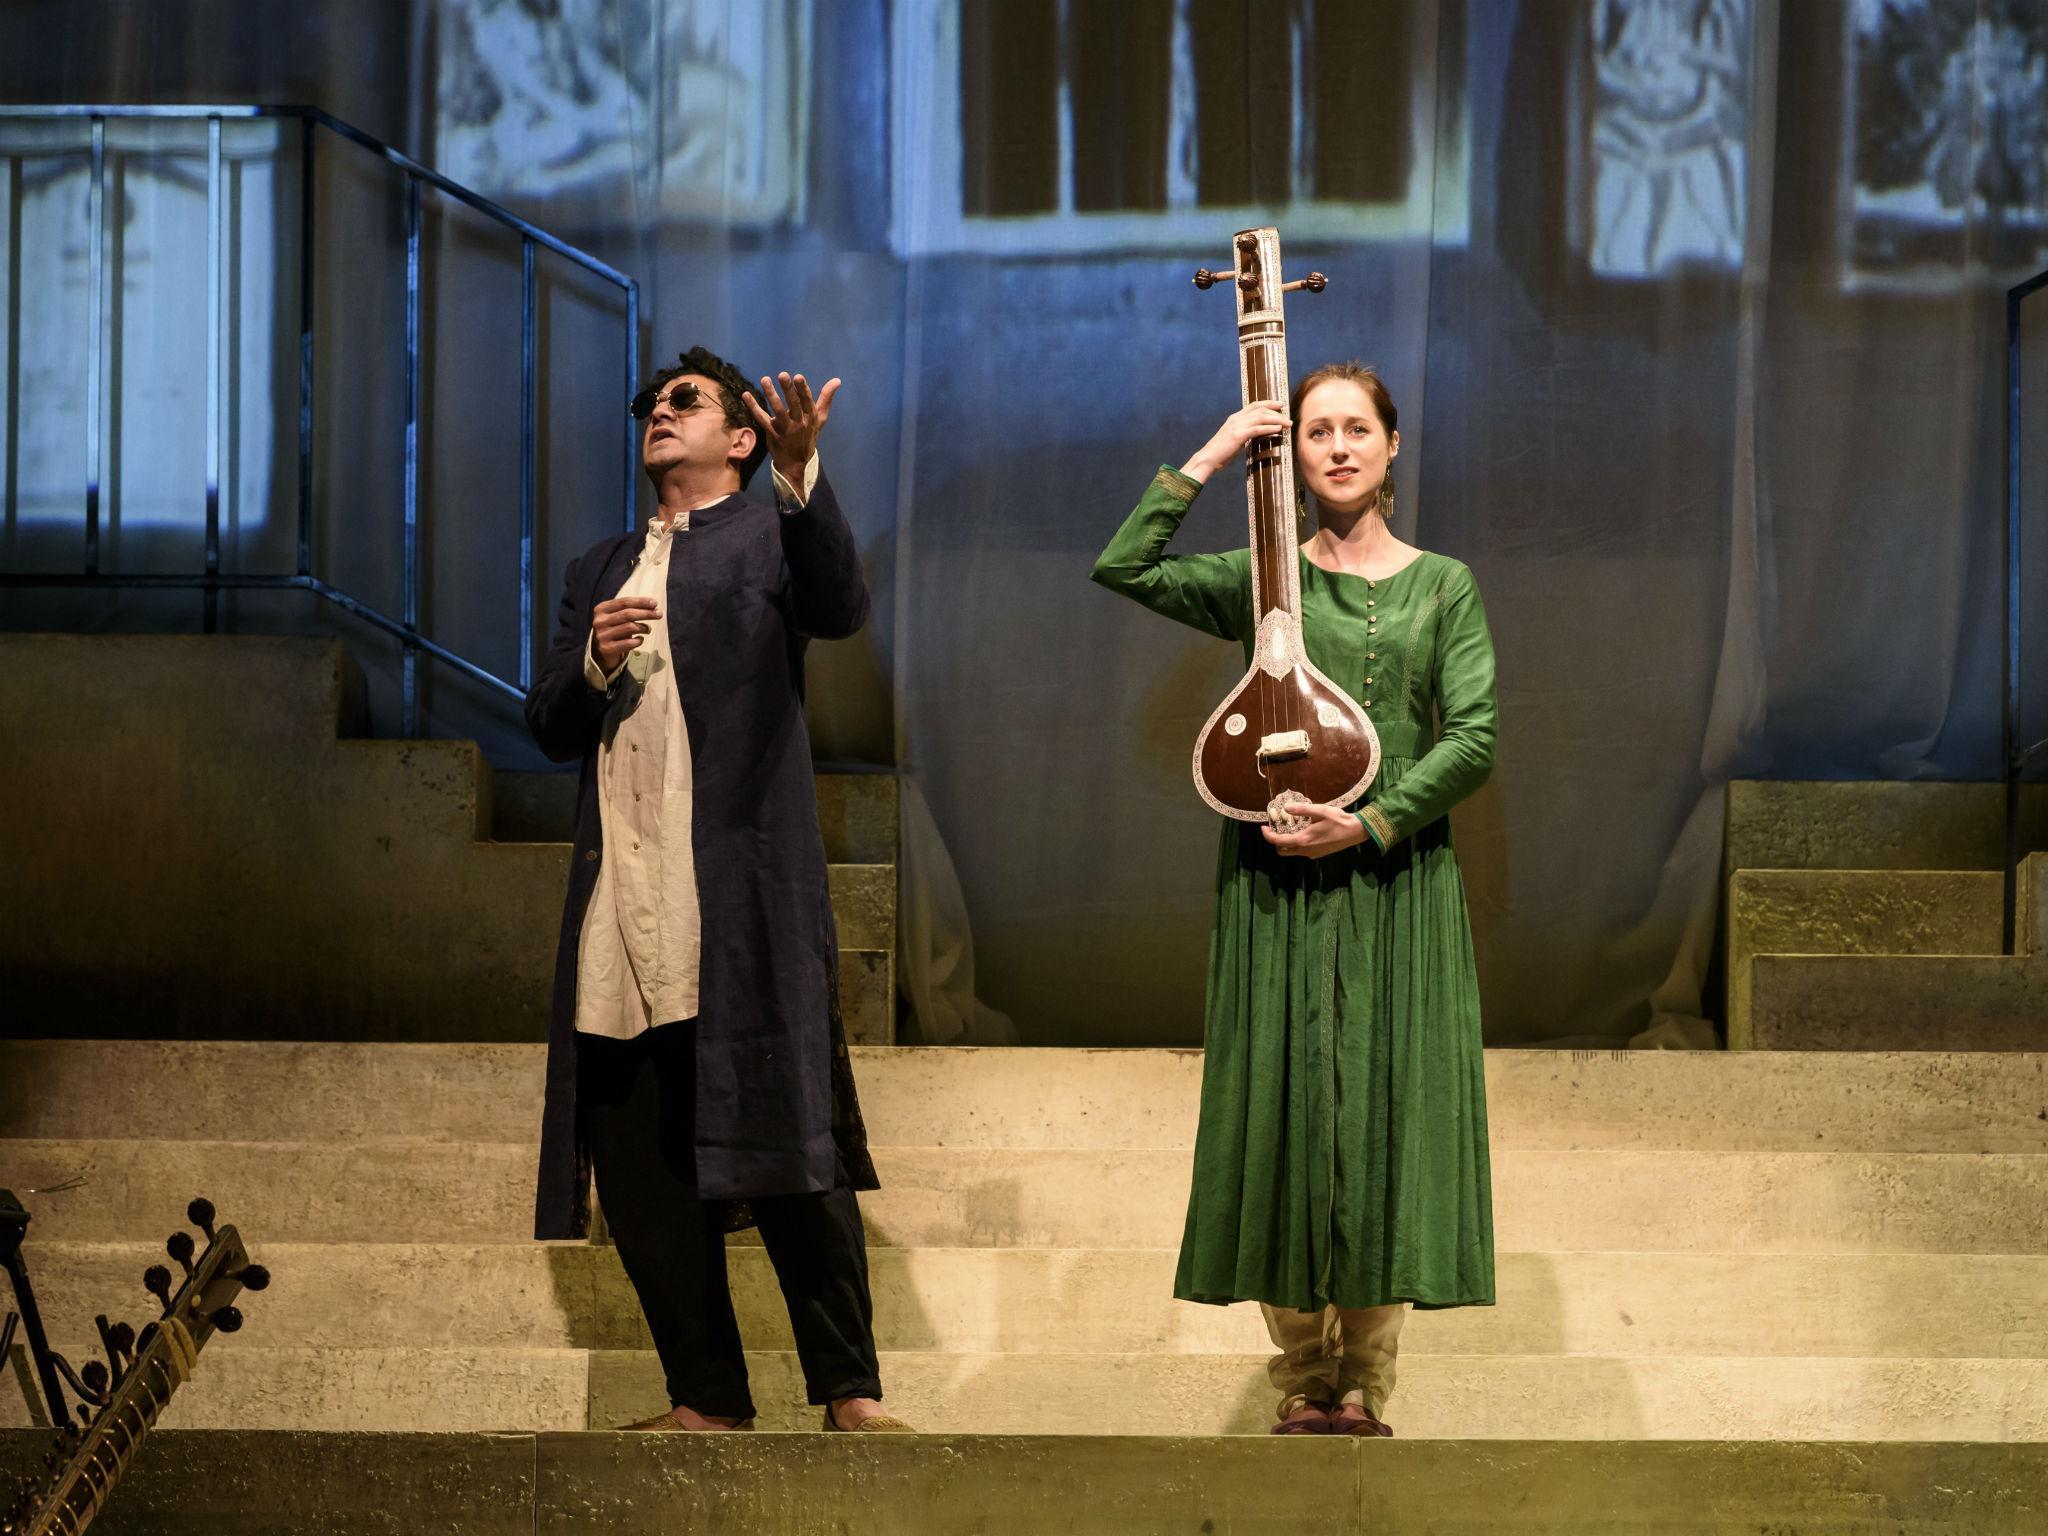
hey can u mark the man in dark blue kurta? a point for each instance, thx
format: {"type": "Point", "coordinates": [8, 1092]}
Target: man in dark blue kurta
{"type": "Point", "coordinates": [696, 1056]}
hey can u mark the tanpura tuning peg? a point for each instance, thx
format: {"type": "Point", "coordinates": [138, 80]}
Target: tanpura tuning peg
{"type": "Point", "coordinates": [111, 1340]}
{"type": "Point", "coordinates": [1315, 282]}
{"type": "Point", "coordinates": [179, 1247]}
{"type": "Point", "coordinates": [157, 1281]}
{"type": "Point", "coordinates": [1205, 279]}
{"type": "Point", "coordinates": [1247, 242]}
{"type": "Point", "coordinates": [227, 1319]}
{"type": "Point", "coordinates": [95, 1378]}
{"type": "Point", "coordinates": [254, 1277]}
{"type": "Point", "coordinates": [200, 1214]}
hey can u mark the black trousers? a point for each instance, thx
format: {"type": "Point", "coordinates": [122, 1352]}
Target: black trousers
{"type": "Point", "coordinates": [637, 1100]}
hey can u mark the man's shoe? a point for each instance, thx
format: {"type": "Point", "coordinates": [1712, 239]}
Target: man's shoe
{"type": "Point", "coordinates": [686, 1419]}
{"type": "Point", "coordinates": [873, 1424]}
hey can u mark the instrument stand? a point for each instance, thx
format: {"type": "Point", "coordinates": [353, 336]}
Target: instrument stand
{"type": "Point", "coordinates": [50, 1409]}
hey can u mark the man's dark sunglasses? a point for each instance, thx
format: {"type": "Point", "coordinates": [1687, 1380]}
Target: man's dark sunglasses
{"type": "Point", "coordinates": [682, 397]}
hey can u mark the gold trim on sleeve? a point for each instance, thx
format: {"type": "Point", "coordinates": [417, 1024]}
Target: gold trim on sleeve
{"type": "Point", "coordinates": [1177, 485]}
{"type": "Point", "coordinates": [1381, 828]}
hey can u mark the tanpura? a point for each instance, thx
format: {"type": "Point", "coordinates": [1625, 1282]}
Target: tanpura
{"type": "Point", "coordinates": [1286, 736]}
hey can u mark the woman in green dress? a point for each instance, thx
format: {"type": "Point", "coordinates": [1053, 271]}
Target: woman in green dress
{"type": "Point", "coordinates": [1341, 1170]}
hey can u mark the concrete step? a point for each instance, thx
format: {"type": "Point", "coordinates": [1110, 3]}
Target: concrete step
{"type": "Point", "coordinates": [278, 1483]}
{"type": "Point", "coordinates": [1035, 1098]}
{"type": "Point", "coordinates": [1774, 824]}
{"type": "Point", "coordinates": [867, 994]}
{"type": "Point", "coordinates": [1898, 1003]}
{"type": "Point", "coordinates": [243, 1382]}
{"type": "Point", "coordinates": [1087, 1301]}
{"type": "Point", "coordinates": [1854, 912]}
{"type": "Point", "coordinates": [1696, 1202]}
{"type": "Point", "coordinates": [1439, 1396]}
{"type": "Point", "coordinates": [250, 1385]}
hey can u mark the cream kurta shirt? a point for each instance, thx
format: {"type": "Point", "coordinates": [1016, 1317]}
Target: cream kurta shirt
{"type": "Point", "coordinates": [638, 958]}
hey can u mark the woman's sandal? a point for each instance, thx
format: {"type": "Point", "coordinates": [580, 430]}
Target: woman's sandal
{"type": "Point", "coordinates": [1302, 1418]}
{"type": "Point", "coordinates": [1356, 1419]}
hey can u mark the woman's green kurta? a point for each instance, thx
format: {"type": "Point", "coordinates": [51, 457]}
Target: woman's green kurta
{"type": "Point", "coordinates": [1341, 1156]}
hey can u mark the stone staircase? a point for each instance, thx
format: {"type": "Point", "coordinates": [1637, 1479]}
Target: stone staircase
{"type": "Point", "coordinates": [1868, 916]}
{"type": "Point", "coordinates": [1738, 1292]}
{"type": "Point", "coordinates": [1892, 1210]}
{"type": "Point", "coordinates": [223, 855]}
{"type": "Point", "coordinates": [1746, 1291]}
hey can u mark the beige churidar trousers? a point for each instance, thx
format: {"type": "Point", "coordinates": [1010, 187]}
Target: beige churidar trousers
{"type": "Point", "coordinates": [1338, 1355]}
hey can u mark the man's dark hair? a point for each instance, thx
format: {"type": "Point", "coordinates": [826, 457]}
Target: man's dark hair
{"type": "Point", "coordinates": [732, 385]}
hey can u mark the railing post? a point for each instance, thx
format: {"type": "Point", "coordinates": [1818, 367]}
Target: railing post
{"type": "Point", "coordinates": [632, 385]}
{"type": "Point", "coordinates": [214, 242]}
{"type": "Point", "coordinates": [529, 468]}
{"type": "Point", "coordinates": [2010, 755]}
{"type": "Point", "coordinates": [410, 603]}
{"type": "Point", "coordinates": [306, 228]}
{"type": "Point", "coordinates": [96, 288]}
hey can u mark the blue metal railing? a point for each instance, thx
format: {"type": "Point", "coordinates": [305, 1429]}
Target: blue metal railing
{"type": "Point", "coordinates": [214, 580]}
{"type": "Point", "coordinates": [2015, 756]}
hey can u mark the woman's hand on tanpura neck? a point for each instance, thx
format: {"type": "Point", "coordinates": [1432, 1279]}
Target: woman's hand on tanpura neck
{"type": "Point", "coordinates": [1323, 829]}
{"type": "Point", "coordinates": [1262, 418]}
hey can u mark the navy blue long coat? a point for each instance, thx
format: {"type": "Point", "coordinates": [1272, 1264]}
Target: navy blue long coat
{"type": "Point", "coordinates": [748, 588]}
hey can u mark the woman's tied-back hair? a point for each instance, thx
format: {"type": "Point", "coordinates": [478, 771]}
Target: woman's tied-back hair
{"type": "Point", "coordinates": [1369, 380]}
{"type": "Point", "coordinates": [732, 386]}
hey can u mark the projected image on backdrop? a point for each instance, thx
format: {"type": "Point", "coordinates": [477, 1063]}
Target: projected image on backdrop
{"type": "Point", "coordinates": [1949, 141]}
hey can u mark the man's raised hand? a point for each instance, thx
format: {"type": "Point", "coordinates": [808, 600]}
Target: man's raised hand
{"type": "Point", "coordinates": [792, 421]}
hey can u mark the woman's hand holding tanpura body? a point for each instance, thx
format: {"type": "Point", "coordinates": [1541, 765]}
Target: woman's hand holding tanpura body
{"type": "Point", "coordinates": [1317, 830]}
{"type": "Point", "coordinates": [1262, 418]}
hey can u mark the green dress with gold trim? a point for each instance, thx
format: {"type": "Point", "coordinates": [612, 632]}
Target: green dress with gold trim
{"type": "Point", "coordinates": [1341, 1155]}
